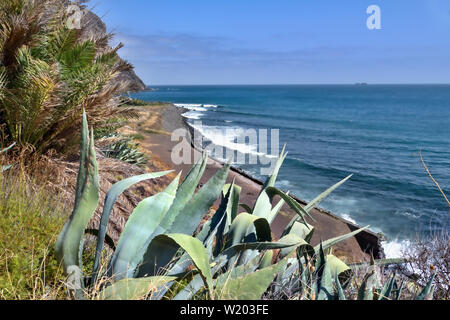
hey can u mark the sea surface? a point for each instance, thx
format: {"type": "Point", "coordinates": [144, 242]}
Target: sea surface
{"type": "Point", "coordinates": [374, 132]}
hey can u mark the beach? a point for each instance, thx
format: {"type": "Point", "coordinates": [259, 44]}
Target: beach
{"type": "Point", "coordinates": [156, 123]}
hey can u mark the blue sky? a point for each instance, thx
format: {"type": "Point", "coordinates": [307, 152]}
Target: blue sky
{"type": "Point", "coordinates": [281, 41]}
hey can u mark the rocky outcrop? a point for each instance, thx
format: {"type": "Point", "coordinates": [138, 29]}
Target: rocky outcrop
{"type": "Point", "coordinates": [93, 27]}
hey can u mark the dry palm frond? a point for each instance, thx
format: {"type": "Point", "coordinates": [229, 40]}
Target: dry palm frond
{"type": "Point", "coordinates": [50, 73]}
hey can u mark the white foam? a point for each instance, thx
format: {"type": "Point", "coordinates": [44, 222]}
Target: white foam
{"type": "Point", "coordinates": [195, 115]}
{"type": "Point", "coordinates": [192, 108]}
{"type": "Point", "coordinates": [195, 106]}
{"type": "Point", "coordinates": [284, 184]}
{"type": "Point", "coordinates": [226, 137]}
{"type": "Point", "coordinates": [348, 218]}
{"type": "Point", "coordinates": [395, 248]}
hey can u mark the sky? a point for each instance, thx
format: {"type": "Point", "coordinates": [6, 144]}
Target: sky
{"type": "Point", "coordinates": [281, 41]}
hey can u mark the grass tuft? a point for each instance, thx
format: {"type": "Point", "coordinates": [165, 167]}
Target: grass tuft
{"type": "Point", "coordinates": [29, 224]}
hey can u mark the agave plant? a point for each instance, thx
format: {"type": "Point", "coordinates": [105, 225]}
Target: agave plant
{"type": "Point", "coordinates": [232, 256]}
{"type": "Point", "coordinates": [125, 150]}
{"type": "Point", "coordinates": [162, 224]}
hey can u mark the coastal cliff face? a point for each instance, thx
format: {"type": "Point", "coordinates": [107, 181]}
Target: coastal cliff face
{"type": "Point", "coordinates": [92, 26]}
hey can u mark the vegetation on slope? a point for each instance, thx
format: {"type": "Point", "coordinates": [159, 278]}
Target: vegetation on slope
{"type": "Point", "coordinates": [49, 73]}
{"type": "Point", "coordinates": [232, 256]}
{"type": "Point", "coordinates": [30, 220]}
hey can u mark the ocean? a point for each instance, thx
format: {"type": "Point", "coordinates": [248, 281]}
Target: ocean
{"type": "Point", "coordinates": [372, 131]}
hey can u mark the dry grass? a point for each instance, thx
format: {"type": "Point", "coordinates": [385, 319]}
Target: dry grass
{"type": "Point", "coordinates": [427, 255]}
{"type": "Point", "coordinates": [30, 221]}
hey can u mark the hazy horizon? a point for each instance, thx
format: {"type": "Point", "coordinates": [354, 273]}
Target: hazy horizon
{"type": "Point", "coordinates": [296, 84]}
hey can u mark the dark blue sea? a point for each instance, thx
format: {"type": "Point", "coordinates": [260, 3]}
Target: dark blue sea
{"type": "Point", "coordinates": [331, 131]}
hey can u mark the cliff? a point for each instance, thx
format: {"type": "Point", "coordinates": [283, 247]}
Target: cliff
{"type": "Point", "coordinates": [92, 26]}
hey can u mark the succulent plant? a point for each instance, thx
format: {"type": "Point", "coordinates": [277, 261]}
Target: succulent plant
{"type": "Point", "coordinates": [232, 256]}
{"type": "Point", "coordinates": [125, 150]}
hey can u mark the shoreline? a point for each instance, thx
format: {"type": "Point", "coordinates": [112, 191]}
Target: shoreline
{"type": "Point", "coordinates": [367, 239]}
{"type": "Point", "coordinates": [158, 144]}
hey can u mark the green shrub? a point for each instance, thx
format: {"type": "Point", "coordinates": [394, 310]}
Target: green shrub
{"type": "Point", "coordinates": [142, 103]}
{"type": "Point", "coordinates": [110, 128]}
{"type": "Point", "coordinates": [125, 150]}
{"type": "Point", "coordinates": [136, 136]}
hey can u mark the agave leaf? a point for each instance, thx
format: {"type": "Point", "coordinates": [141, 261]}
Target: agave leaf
{"type": "Point", "coordinates": [226, 213]}
{"type": "Point", "coordinates": [303, 272]}
{"type": "Point", "coordinates": [247, 227]}
{"type": "Point", "coordinates": [319, 268]}
{"type": "Point", "coordinates": [8, 148]}
{"type": "Point", "coordinates": [297, 241]}
{"type": "Point", "coordinates": [253, 248]}
{"type": "Point", "coordinates": [365, 291]}
{"type": "Point", "coordinates": [108, 240]}
{"type": "Point", "coordinates": [233, 204]}
{"type": "Point", "coordinates": [331, 242]}
{"type": "Point", "coordinates": [75, 281]}
{"type": "Point", "coordinates": [133, 288]}
{"type": "Point", "coordinates": [238, 271]}
{"type": "Point", "coordinates": [184, 194]}
{"type": "Point", "coordinates": [69, 242]}
{"type": "Point", "coordinates": [266, 260]}
{"type": "Point", "coordinates": [246, 207]}
{"type": "Point", "coordinates": [312, 204]}
{"type": "Point", "coordinates": [326, 289]}
{"type": "Point", "coordinates": [337, 266]}
{"type": "Point", "coordinates": [70, 238]}
{"type": "Point", "coordinates": [276, 210]}
{"type": "Point", "coordinates": [6, 167]}
{"type": "Point", "coordinates": [185, 223]}
{"type": "Point", "coordinates": [270, 182]}
{"type": "Point", "coordinates": [272, 191]}
{"type": "Point", "coordinates": [206, 235]}
{"type": "Point", "coordinates": [190, 289]}
{"type": "Point", "coordinates": [196, 209]}
{"type": "Point", "coordinates": [304, 231]}
{"type": "Point", "coordinates": [379, 262]}
{"type": "Point", "coordinates": [236, 249]}
{"type": "Point", "coordinates": [263, 204]}
{"type": "Point", "coordinates": [197, 283]}
{"type": "Point", "coordinates": [84, 155]}
{"type": "Point", "coordinates": [398, 290]}
{"type": "Point", "coordinates": [387, 289]}
{"type": "Point", "coordinates": [140, 225]}
{"type": "Point", "coordinates": [290, 271]}
{"type": "Point", "coordinates": [194, 248]}
{"type": "Point", "coordinates": [427, 291]}
{"type": "Point", "coordinates": [251, 286]}
{"type": "Point", "coordinates": [340, 291]}
{"type": "Point", "coordinates": [110, 200]}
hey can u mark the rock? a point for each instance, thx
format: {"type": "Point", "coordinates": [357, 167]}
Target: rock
{"type": "Point", "coordinates": [92, 26]}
